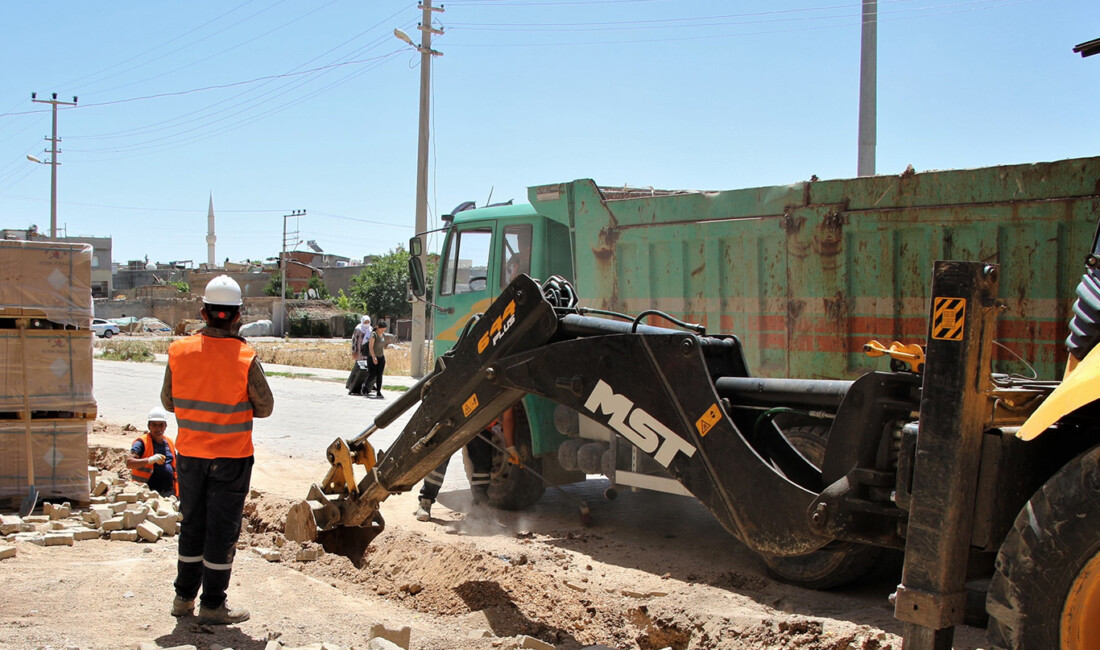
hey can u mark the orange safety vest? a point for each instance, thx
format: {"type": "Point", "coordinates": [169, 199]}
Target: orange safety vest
{"type": "Point", "coordinates": [143, 474]}
{"type": "Point", "coordinates": [210, 396]}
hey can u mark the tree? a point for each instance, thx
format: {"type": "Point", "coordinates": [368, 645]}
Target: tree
{"type": "Point", "coordinates": [382, 286]}
{"type": "Point", "coordinates": [318, 285]}
{"type": "Point", "coordinates": [274, 285]}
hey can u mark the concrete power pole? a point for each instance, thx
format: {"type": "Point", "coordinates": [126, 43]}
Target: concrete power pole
{"type": "Point", "coordinates": [284, 261]}
{"type": "Point", "coordinates": [868, 73]}
{"type": "Point", "coordinates": [53, 162]}
{"type": "Point", "coordinates": [426, 54]}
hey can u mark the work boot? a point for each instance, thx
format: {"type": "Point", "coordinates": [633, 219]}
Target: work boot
{"type": "Point", "coordinates": [480, 494]}
{"type": "Point", "coordinates": [222, 615]}
{"type": "Point", "coordinates": [183, 607]}
{"type": "Point", "coordinates": [424, 511]}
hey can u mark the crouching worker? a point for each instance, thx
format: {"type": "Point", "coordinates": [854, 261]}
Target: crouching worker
{"type": "Point", "coordinates": [153, 457]}
{"type": "Point", "coordinates": [215, 385]}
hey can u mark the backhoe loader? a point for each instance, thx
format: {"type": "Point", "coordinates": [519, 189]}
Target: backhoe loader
{"type": "Point", "coordinates": [937, 456]}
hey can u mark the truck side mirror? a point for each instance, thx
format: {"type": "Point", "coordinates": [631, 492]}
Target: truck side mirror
{"type": "Point", "coordinates": [416, 276]}
{"type": "Point", "coordinates": [416, 247]}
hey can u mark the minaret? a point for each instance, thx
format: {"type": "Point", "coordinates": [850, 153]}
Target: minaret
{"type": "Point", "coordinates": [210, 238]}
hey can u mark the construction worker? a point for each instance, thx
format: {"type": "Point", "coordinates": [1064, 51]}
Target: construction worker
{"type": "Point", "coordinates": [215, 386]}
{"type": "Point", "coordinates": [479, 454]}
{"type": "Point", "coordinates": [153, 456]}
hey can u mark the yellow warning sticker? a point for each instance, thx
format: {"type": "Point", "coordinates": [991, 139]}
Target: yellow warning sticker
{"type": "Point", "coordinates": [709, 419]}
{"type": "Point", "coordinates": [949, 319]}
{"type": "Point", "coordinates": [470, 405]}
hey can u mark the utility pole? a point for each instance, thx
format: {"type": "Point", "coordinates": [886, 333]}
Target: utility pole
{"type": "Point", "coordinates": [283, 261]}
{"type": "Point", "coordinates": [426, 54]}
{"type": "Point", "coordinates": [868, 73]}
{"type": "Point", "coordinates": [53, 162]}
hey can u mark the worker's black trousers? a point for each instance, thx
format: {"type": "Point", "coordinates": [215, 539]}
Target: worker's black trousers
{"type": "Point", "coordinates": [480, 455]}
{"type": "Point", "coordinates": [212, 495]}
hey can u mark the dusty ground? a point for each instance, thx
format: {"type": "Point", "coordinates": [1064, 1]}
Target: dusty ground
{"type": "Point", "coordinates": [466, 580]}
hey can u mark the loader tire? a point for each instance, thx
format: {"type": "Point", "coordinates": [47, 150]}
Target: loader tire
{"type": "Point", "coordinates": [836, 564]}
{"type": "Point", "coordinates": [1045, 591]}
{"type": "Point", "coordinates": [512, 487]}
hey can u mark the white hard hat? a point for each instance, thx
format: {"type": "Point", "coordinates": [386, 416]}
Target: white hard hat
{"type": "Point", "coordinates": [157, 414]}
{"type": "Point", "coordinates": [222, 290]}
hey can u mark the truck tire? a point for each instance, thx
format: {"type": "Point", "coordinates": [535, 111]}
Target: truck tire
{"type": "Point", "coordinates": [838, 563]}
{"type": "Point", "coordinates": [1045, 591]}
{"type": "Point", "coordinates": [511, 487]}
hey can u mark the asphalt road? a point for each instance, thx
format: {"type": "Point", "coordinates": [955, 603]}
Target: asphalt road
{"type": "Point", "coordinates": [310, 412]}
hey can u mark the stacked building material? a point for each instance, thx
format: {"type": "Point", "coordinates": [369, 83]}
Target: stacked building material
{"type": "Point", "coordinates": [45, 369]}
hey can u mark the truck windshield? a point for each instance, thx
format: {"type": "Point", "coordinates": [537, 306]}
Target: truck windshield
{"type": "Point", "coordinates": [466, 264]}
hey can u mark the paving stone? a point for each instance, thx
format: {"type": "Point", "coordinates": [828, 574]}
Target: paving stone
{"type": "Point", "coordinates": [36, 519]}
{"type": "Point", "coordinates": [124, 535]}
{"type": "Point", "coordinates": [147, 645]}
{"type": "Point", "coordinates": [168, 524]}
{"type": "Point", "coordinates": [10, 524]}
{"type": "Point", "coordinates": [112, 524]}
{"type": "Point", "coordinates": [84, 534]}
{"type": "Point", "coordinates": [382, 644]}
{"type": "Point", "coordinates": [149, 531]}
{"type": "Point", "coordinates": [269, 554]}
{"type": "Point", "coordinates": [118, 507]}
{"type": "Point", "coordinates": [57, 525]}
{"type": "Point", "coordinates": [182, 647]}
{"type": "Point", "coordinates": [127, 497]}
{"type": "Point", "coordinates": [93, 474]}
{"type": "Point", "coordinates": [55, 511]}
{"type": "Point", "coordinates": [100, 488]}
{"type": "Point", "coordinates": [479, 634]}
{"type": "Point", "coordinates": [309, 554]}
{"type": "Point", "coordinates": [131, 517]}
{"type": "Point", "coordinates": [273, 645]}
{"type": "Point", "coordinates": [54, 539]}
{"type": "Point", "coordinates": [7, 552]}
{"type": "Point", "coordinates": [400, 636]}
{"type": "Point", "coordinates": [534, 644]}
{"type": "Point", "coordinates": [97, 501]}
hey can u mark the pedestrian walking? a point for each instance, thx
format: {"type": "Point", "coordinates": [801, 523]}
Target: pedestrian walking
{"type": "Point", "coordinates": [377, 350]}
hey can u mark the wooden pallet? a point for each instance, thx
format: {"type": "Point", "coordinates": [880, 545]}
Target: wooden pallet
{"type": "Point", "coordinates": [83, 413]}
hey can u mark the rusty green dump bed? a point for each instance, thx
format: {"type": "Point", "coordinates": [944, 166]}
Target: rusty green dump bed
{"type": "Point", "coordinates": [805, 274]}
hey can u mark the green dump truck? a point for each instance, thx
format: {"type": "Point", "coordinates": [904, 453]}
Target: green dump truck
{"type": "Point", "coordinates": [805, 275]}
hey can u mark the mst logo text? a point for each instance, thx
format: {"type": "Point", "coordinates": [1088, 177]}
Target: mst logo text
{"type": "Point", "coordinates": [637, 426]}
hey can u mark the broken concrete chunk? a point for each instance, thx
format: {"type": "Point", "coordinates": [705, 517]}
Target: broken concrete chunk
{"type": "Point", "coordinates": [7, 552]}
{"type": "Point", "coordinates": [149, 531]}
{"type": "Point", "coordinates": [124, 536]}
{"type": "Point", "coordinates": [273, 645]}
{"type": "Point", "coordinates": [400, 637]}
{"type": "Point", "coordinates": [55, 511]}
{"type": "Point", "coordinates": [382, 644]}
{"type": "Point", "coordinates": [479, 634]}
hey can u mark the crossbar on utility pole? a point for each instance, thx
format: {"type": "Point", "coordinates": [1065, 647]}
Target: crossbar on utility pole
{"type": "Point", "coordinates": [419, 313]}
{"type": "Point", "coordinates": [53, 162]}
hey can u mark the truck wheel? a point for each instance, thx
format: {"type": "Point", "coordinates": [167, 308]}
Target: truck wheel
{"type": "Point", "coordinates": [1045, 592]}
{"type": "Point", "coordinates": [511, 487]}
{"type": "Point", "coordinates": [836, 564]}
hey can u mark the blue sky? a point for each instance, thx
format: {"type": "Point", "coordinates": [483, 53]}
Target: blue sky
{"type": "Point", "coordinates": [274, 106]}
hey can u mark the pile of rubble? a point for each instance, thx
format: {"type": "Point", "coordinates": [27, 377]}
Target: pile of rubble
{"type": "Point", "coordinates": [119, 510]}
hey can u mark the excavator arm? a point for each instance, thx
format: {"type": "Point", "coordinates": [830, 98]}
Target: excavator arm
{"type": "Point", "coordinates": [676, 395]}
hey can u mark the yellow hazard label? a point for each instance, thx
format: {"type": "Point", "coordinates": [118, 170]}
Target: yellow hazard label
{"type": "Point", "coordinates": [470, 405]}
{"type": "Point", "coordinates": [709, 419]}
{"type": "Point", "coordinates": [949, 319]}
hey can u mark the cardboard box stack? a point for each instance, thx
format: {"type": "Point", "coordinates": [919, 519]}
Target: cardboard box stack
{"type": "Point", "coordinates": [45, 369]}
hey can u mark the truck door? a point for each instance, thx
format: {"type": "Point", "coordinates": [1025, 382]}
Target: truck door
{"type": "Point", "coordinates": [464, 276]}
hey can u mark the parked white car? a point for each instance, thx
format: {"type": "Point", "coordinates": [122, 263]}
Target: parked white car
{"type": "Point", "coordinates": [104, 328]}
